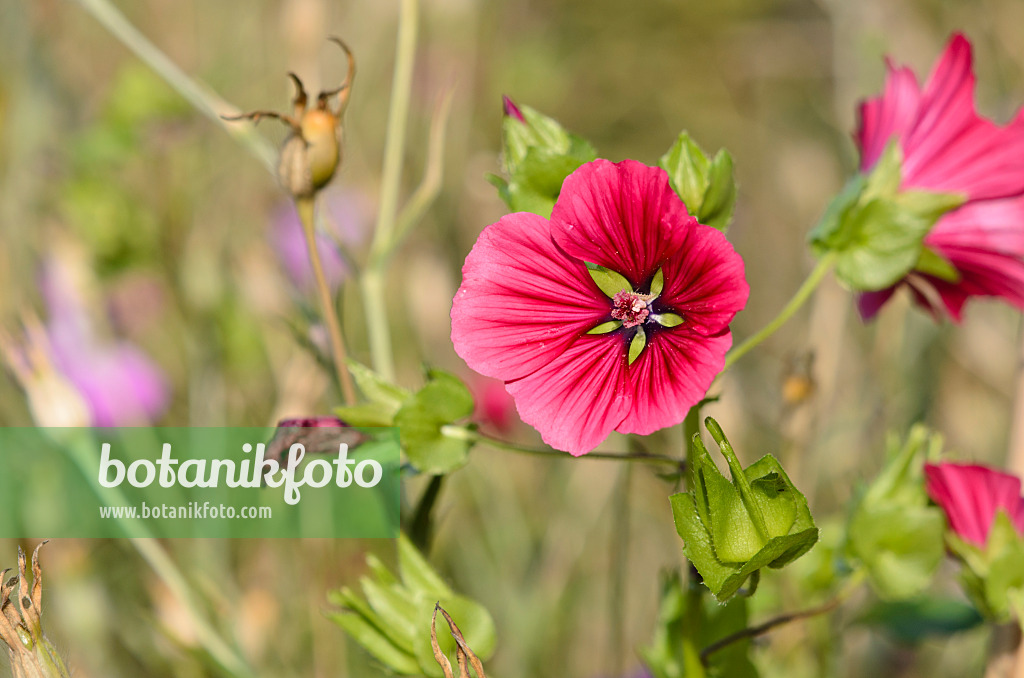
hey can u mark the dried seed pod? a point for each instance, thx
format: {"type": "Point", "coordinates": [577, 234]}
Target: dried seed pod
{"type": "Point", "coordinates": [31, 654]}
{"type": "Point", "coordinates": [312, 152]}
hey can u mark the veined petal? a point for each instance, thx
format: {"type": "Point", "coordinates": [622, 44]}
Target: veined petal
{"type": "Point", "coordinates": [672, 375]}
{"type": "Point", "coordinates": [705, 281]}
{"type": "Point", "coordinates": [888, 115]}
{"type": "Point", "coordinates": [579, 397]}
{"type": "Point", "coordinates": [522, 300]}
{"type": "Point", "coordinates": [971, 495]}
{"type": "Point", "coordinates": [623, 216]}
{"type": "Point", "coordinates": [994, 225]}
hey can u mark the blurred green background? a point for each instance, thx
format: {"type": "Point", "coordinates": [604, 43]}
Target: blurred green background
{"type": "Point", "coordinates": [166, 228]}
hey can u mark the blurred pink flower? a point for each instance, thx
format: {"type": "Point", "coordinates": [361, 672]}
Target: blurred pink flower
{"type": "Point", "coordinates": [528, 303]}
{"type": "Point", "coordinates": [345, 220]}
{"type": "Point", "coordinates": [948, 148]}
{"type": "Point", "coordinates": [494, 405]}
{"type": "Point", "coordinates": [119, 383]}
{"type": "Point", "coordinates": [972, 495]}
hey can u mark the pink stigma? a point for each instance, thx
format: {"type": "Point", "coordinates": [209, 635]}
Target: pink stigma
{"type": "Point", "coordinates": [631, 308]}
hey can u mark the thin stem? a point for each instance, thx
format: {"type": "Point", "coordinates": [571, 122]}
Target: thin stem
{"type": "Point", "coordinates": [463, 433]}
{"type": "Point", "coordinates": [802, 295]}
{"type": "Point", "coordinates": [753, 631]}
{"type": "Point", "coordinates": [398, 114]}
{"type": "Point", "coordinates": [205, 101]}
{"type": "Point", "coordinates": [307, 209]}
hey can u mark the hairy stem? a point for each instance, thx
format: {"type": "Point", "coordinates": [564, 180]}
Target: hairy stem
{"type": "Point", "coordinates": [307, 212]}
{"type": "Point", "coordinates": [802, 295]}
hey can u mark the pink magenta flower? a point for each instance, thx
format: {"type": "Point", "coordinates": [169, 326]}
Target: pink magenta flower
{"type": "Point", "coordinates": [528, 306]}
{"type": "Point", "coordinates": [972, 495]}
{"type": "Point", "coordinates": [948, 148]}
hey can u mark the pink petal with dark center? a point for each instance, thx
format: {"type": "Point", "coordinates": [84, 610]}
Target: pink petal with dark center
{"type": "Point", "coordinates": [522, 300]}
{"type": "Point", "coordinates": [705, 281]}
{"type": "Point", "coordinates": [672, 374]}
{"type": "Point", "coordinates": [623, 216]}
{"type": "Point", "coordinates": [579, 397]}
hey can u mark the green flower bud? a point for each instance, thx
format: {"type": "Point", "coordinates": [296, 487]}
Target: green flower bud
{"type": "Point", "coordinates": [732, 529]}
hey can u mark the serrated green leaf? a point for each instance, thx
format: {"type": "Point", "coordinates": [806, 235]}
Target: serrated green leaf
{"type": "Point", "coordinates": [608, 281]}
{"type": "Point", "coordinates": [719, 199]}
{"type": "Point", "coordinates": [442, 401]}
{"type": "Point", "coordinates": [687, 166]}
{"type": "Point", "coordinates": [605, 328]}
{"type": "Point", "coordinates": [636, 345]}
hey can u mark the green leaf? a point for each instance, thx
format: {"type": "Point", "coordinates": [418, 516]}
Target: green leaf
{"type": "Point", "coordinates": [377, 389]}
{"type": "Point", "coordinates": [608, 281]}
{"type": "Point", "coordinates": [687, 167]}
{"type": "Point", "coordinates": [719, 201]}
{"type": "Point", "coordinates": [395, 609]}
{"type": "Point", "coordinates": [605, 328]}
{"type": "Point", "coordinates": [443, 401]}
{"type": "Point", "coordinates": [636, 346]}
{"type": "Point", "coordinates": [911, 621]}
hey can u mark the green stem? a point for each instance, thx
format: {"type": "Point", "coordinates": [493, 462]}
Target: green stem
{"type": "Point", "coordinates": [306, 208]}
{"type": "Point", "coordinates": [802, 295]}
{"type": "Point", "coordinates": [374, 299]}
{"type": "Point", "coordinates": [205, 101]}
{"type": "Point", "coordinates": [462, 433]}
{"type": "Point", "coordinates": [851, 585]}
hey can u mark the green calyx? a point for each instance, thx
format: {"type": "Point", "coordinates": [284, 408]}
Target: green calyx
{"type": "Point", "coordinates": [877, 230]}
{"type": "Point", "coordinates": [732, 529]}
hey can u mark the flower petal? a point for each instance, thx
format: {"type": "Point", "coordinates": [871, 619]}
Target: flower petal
{"type": "Point", "coordinates": [623, 216]}
{"type": "Point", "coordinates": [522, 300]}
{"type": "Point", "coordinates": [888, 115]}
{"type": "Point", "coordinates": [869, 303]}
{"type": "Point", "coordinates": [579, 397]}
{"type": "Point", "coordinates": [971, 495]}
{"type": "Point", "coordinates": [950, 148]}
{"type": "Point", "coordinates": [705, 281]}
{"type": "Point", "coordinates": [671, 376]}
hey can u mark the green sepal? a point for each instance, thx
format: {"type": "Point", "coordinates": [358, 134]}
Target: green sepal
{"type": "Point", "coordinates": [393, 621]}
{"type": "Point", "coordinates": [993, 576]}
{"type": "Point", "coordinates": [605, 328]}
{"type": "Point", "coordinates": [668, 319]}
{"type": "Point", "coordinates": [442, 401]}
{"type": "Point", "coordinates": [657, 283]}
{"type": "Point", "coordinates": [877, 231]}
{"type": "Point", "coordinates": [608, 281]}
{"type": "Point", "coordinates": [706, 187]}
{"type": "Point", "coordinates": [637, 344]}
{"type": "Point", "coordinates": [893, 531]}
{"type": "Point", "coordinates": [933, 264]}
{"type": "Point", "coordinates": [538, 155]}
{"type": "Point", "coordinates": [732, 529]}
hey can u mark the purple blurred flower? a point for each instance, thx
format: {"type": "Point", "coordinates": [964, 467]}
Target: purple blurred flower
{"type": "Point", "coordinates": [344, 216]}
{"type": "Point", "coordinates": [119, 383]}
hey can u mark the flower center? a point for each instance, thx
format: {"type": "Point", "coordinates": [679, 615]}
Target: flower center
{"type": "Point", "coordinates": [631, 308]}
